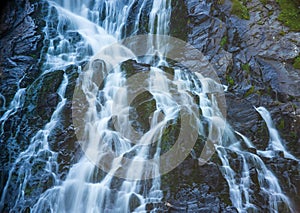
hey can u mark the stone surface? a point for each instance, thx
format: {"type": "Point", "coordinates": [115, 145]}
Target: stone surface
{"type": "Point", "coordinates": [21, 43]}
{"type": "Point", "coordinates": [253, 57]}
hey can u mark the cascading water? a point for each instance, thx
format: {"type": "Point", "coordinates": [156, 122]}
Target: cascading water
{"type": "Point", "coordinates": [122, 186]}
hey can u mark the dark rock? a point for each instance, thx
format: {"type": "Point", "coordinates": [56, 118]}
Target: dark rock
{"type": "Point", "coordinates": [42, 94]}
{"type": "Point", "coordinates": [202, 189]}
{"type": "Point", "coordinates": [20, 54]}
{"type": "Point", "coordinates": [21, 41]}
{"type": "Point", "coordinates": [134, 202]}
{"type": "Point", "coordinates": [144, 104]}
{"type": "Point", "coordinates": [254, 58]}
{"type": "Point", "coordinates": [179, 20]}
{"type": "Point", "coordinates": [143, 26]}
{"type": "Point", "coordinates": [131, 67]}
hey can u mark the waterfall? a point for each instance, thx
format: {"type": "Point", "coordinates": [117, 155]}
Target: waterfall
{"type": "Point", "coordinates": [121, 163]}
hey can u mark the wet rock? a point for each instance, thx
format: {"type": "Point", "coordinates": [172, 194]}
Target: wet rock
{"type": "Point", "coordinates": [288, 173]}
{"type": "Point", "coordinates": [63, 138]}
{"type": "Point", "coordinates": [202, 189]}
{"type": "Point", "coordinates": [134, 202]}
{"type": "Point", "coordinates": [178, 20]}
{"type": "Point", "coordinates": [21, 25]}
{"type": "Point", "coordinates": [21, 42]}
{"type": "Point", "coordinates": [42, 97]}
{"type": "Point", "coordinates": [254, 59]}
{"type": "Point", "coordinates": [143, 27]}
{"type": "Point", "coordinates": [131, 67]}
{"type": "Point", "coordinates": [144, 106]}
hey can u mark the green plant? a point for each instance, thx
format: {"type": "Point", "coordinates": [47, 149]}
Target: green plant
{"type": "Point", "coordinates": [230, 80]}
{"type": "Point", "coordinates": [270, 13]}
{"type": "Point", "coordinates": [290, 13]}
{"type": "Point", "coordinates": [260, 23]}
{"type": "Point", "coordinates": [246, 67]}
{"type": "Point", "coordinates": [33, 55]}
{"type": "Point", "coordinates": [281, 124]}
{"type": "Point", "coordinates": [240, 10]}
{"type": "Point", "coordinates": [250, 91]}
{"type": "Point", "coordinates": [223, 41]}
{"type": "Point", "coordinates": [297, 62]}
{"type": "Point", "coordinates": [264, 2]}
{"type": "Point", "coordinates": [282, 33]}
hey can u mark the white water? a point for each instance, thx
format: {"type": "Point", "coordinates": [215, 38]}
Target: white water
{"type": "Point", "coordinates": [78, 193]}
{"type": "Point", "coordinates": [275, 142]}
{"type": "Point", "coordinates": [81, 191]}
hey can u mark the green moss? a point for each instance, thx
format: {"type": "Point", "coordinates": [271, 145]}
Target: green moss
{"type": "Point", "coordinates": [297, 62]}
{"type": "Point", "coordinates": [264, 2]}
{"type": "Point", "coordinates": [290, 13]}
{"type": "Point", "coordinates": [170, 134]}
{"type": "Point", "coordinates": [250, 91]}
{"type": "Point", "coordinates": [293, 135]}
{"type": "Point", "coordinates": [178, 24]}
{"type": "Point", "coordinates": [230, 80]}
{"type": "Point", "coordinates": [246, 67]}
{"type": "Point", "coordinates": [281, 124]}
{"type": "Point", "coordinates": [240, 10]}
{"type": "Point", "coordinates": [282, 33]}
{"type": "Point", "coordinates": [33, 55]}
{"type": "Point", "coordinates": [145, 105]}
{"type": "Point", "coordinates": [28, 191]}
{"type": "Point", "coordinates": [260, 23]}
{"type": "Point", "coordinates": [223, 41]}
{"type": "Point", "coordinates": [270, 13]}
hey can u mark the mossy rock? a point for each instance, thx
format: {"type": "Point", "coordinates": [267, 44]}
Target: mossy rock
{"type": "Point", "coordinates": [223, 41]}
{"type": "Point", "coordinates": [230, 80]}
{"type": "Point", "coordinates": [167, 70]}
{"type": "Point", "coordinates": [290, 13]}
{"type": "Point", "coordinates": [296, 64]}
{"type": "Point", "coordinates": [250, 91]}
{"type": "Point", "coordinates": [246, 67]}
{"type": "Point", "coordinates": [179, 20]}
{"type": "Point", "coordinates": [264, 2]}
{"type": "Point", "coordinates": [240, 10]}
{"type": "Point", "coordinates": [42, 95]}
{"type": "Point", "coordinates": [144, 106]}
{"type": "Point", "coordinates": [131, 67]}
{"type": "Point", "coordinates": [170, 134]}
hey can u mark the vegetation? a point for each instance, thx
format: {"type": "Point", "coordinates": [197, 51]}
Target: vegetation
{"type": "Point", "coordinates": [270, 13]}
{"type": "Point", "coordinates": [281, 124]}
{"type": "Point", "coordinates": [246, 67]}
{"type": "Point", "coordinates": [230, 80]}
{"type": "Point", "coordinates": [260, 23]}
{"type": "Point", "coordinates": [264, 2]}
{"type": "Point", "coordinates": [297, 62]}
{"type": "Point", "coordinates": [223, 41]}
{"type": "Point", "coordinates": [290, 13]}
{"type": "Point", "coordinates": [282, 33]}
{"type": "Point", "coordinates": [250, 91]}
{"type": "Point", "coordinates": [240, 10]}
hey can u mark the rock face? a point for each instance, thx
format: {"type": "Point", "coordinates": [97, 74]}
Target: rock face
{"type": "Point", "coordinates": [21, 45]}
{"type": "Point", "coordinates": [35, 96]}
{"type": "Point", "coordinates": [21, 37]}
{"type": "Point", "coordinates": [253, 57]}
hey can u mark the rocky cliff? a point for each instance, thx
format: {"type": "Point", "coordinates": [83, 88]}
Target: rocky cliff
{"type": "Point", "coordinates": [254, 50]}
